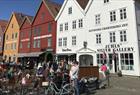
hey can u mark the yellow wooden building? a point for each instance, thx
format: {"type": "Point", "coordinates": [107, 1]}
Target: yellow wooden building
{"type": "Point", "coordinates": [12, 37]}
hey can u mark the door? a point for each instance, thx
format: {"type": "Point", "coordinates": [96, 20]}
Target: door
{"type": "Point", "coordinates": [86, 60]}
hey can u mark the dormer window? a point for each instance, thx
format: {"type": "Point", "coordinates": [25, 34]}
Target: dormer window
{"type": "Point", "coordinates": [106, 1]}
{"type": "Point", "coordinates": [42, 16]}
{"type": "Point", "coordinates": [70, 10]}
{"type": "Point", "coordinates": [12, 25]}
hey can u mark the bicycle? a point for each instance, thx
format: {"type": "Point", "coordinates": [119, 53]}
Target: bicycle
{"type": "Point", "coordinates": [66, 88]}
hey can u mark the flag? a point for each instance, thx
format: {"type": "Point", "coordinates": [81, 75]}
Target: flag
{"type": "Point", "coordinates": [114, 54]}
{"type": "Point", "coordinates": [104, 55]}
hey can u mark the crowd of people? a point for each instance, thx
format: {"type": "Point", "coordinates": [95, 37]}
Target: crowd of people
{"type": "Point", "coordinates": [62, 71]}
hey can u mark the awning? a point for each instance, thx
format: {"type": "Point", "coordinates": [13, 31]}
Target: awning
{"type": "Point", "coordinates": [33, 54]}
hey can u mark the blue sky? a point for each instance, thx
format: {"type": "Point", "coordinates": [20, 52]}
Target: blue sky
{"type": "Point", "coordinates": [25, 6]}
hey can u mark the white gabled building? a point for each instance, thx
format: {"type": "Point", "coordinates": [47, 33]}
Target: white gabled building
{"type": "Point", "coordinates": [70, 29]}
{"type": "Point", "coordinates": [113, 31]}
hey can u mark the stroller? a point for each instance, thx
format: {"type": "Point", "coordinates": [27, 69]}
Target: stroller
{"type": "Point", "coordinates": [88, 85]}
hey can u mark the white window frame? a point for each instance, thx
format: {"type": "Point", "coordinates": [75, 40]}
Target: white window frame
{"type": "Point", "coordinates": [80, 22]}
{"type": "Point", "coordinates": [126, 57]}
{"type": "Point", "coordinates": [113, 16]}
{"type": "Point", "coordinates": [123, 14]}
{"type": "Point", "coordinates": [98, 39]}
{"type": "Point", "coordinates": [123, 36]}
{"type": "Point", "coordinates": [112, 37]}
{"type": "Point", "coordinates": [73, 40]}
{"type": "Point", "coordinates": [49, 41]}
{"type": "Point", "coordinates": [65, 41]}
{"type": "Point", "coordinates": [74, 24]}
{"type": "Point", "coordinates": [70, 10]}
{"type": "Point", "coordinates": [60, 42]}
{"type": "Point", "coordinates": [38, 43]}
{"type": "Point", "coordinates": [61, 27]}
{"type": "Point", "coordinates": [66, 26]}
{"type": "Point", "coordinates": [97, 19]}
{"type": "Point", "coordinates": [106, 1]}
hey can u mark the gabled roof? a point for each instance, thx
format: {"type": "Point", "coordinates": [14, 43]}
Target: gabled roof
{"type": "Point", "coordinates": [19, 18]}
{"type": "Point", "coordinates": [52, 7]}
{"type": "Point", "coordinates": [83, 3]}
{"type": "Point", "coordinates": [3, 24]}
{"type": "Point", "coordinates": [85, 50]}
{"type": "Point", "coordinates": [29, 18]}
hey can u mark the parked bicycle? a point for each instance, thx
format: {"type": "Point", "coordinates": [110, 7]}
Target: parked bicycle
{"type": "Point", "coordinates": [66, 88]}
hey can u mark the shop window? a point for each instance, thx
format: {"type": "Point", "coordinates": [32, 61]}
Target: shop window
{"type": "Point", "coordinates": [127, 61]}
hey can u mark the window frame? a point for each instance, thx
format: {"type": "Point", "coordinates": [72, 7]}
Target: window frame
{"type": "Point", "coordinates": [113, 16]}
{"type": "Point", "coordinates": [97, 19]}
{"type": "Point", "coordinates": [70, 10]}
{"type": "Point", "coordinates": [80, 23]}
{"type": "Point", "coordinates": [112, 36]}
{"type": "Point", "coordinates": [74, 40]}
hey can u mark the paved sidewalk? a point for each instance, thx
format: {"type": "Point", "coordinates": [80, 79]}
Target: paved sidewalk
{"type": "Point", "coordinates": [125, 85]}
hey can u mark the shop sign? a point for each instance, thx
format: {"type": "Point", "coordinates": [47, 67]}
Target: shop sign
{"type": "Point", "coordinates": [116, 47]}
{"type": "Point", "coordinates": [67, 49]}
{"type": "Point", "coordinates": [109, 27]}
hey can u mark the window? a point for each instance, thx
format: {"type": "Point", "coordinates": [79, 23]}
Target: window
{"type": "Point", "coordinates": [35, 43]}
{"type": "Point", "coordinates": [6, 37]}
{"type": "Point", "coordinates": [30, 34]}
{"type": "Point", "coordinates": [106, 1]}
{"type": "Point", "coordinates": [112, 16]}
{"type": "Point", "coordinates": [12, 26]}
{"type": "Point", "coordinates": [65, 41]}
{"type": "Point", "coordinates": [123, 37]}
{"type": "Point", "coordinates": [14, 46]}
{"type": "Point", "coordinates": [49, 42]}
{"type": "Point", "coordinates": [123, 14]}
{"type": "Point", "coordinates": [16, 34]}
{"type": "Point", "coordinates": [60, 42]}
{"type": "Point", "coordinates": [73, 40]}
{"type": "Point", "coordinates": [5, 47]}
{"type": "Point", "coordinates": [127, 61]}
{"type": "Point", "coordinates": [42, 16]}
{"type": "Point", "coordinates": [12, 35]}
{"type": "Point", "coordinates": [28, 45]}
{"type": "Point", "coordinates": [61, 27]}
{"type": "Point", "coordinates": [74, 24]}
{"type": "Point", "coordinates": [100, 59]}
{"type": "Point", "coordinates": [97, 19]}
{"type": "Point", "coordinates": [49, 27]}
{"type": "Point", "coordinates": [66, 26]}
{"type": "Point", "coordinates": [80, 23]}
{"type": "Point", "coordinates": [38, 31]}
{"type": "Point", "coordinates": [38, 43]}
{"type": "Point", "coordinates": [70, 10]}
{"type": "Point", "coordinates": [98, 38]}
{"type": "Point", "coordinates": [35, 31]}
{"type": "Point", "coordinates": [112, 37]}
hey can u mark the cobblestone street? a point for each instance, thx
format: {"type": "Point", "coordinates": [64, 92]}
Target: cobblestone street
{"type": "Point", "coordinates": [126, 85]}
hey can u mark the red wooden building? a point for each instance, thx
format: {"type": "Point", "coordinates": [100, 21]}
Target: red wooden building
{"type": "Point", "coordinates": [43, 39]}
{"type": "Point", "coordinates": [25, 38]}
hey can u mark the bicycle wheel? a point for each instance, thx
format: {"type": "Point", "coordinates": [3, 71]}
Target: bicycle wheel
{"type": "Point", "coordinates": [67, 89]}
{"type": "Point", "coordinates": [49, 91]}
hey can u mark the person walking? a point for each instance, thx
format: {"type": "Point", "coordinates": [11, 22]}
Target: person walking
{"type": "Point", "coordinates": [74, 76]}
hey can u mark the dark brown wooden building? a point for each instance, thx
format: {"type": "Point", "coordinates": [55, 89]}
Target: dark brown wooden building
{"type": "Point", "coordinates": [3, 24]}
